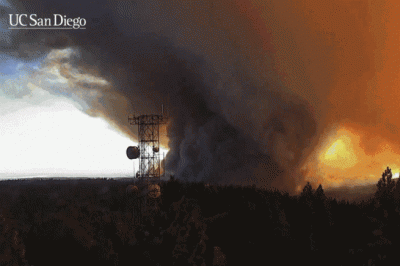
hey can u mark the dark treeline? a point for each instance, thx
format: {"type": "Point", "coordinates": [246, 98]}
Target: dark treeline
{"type": "Point", "coordinates": [91, 222]}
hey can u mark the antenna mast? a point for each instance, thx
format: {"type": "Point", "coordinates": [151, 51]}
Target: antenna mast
{"type": "Point", "coordinates": [149, 145]}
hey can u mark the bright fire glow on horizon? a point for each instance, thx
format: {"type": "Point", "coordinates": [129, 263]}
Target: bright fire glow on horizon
{"type": "Point", "coordinates": [340, 154]}
{"type": "Point", "coordinates": [346, 54]}
{"type": "Point", "coordinates": [55, 138]}
{"type": "Point", "coordinates": [340, 57]}
{"type": "Point", "coordinates": [343, 161]}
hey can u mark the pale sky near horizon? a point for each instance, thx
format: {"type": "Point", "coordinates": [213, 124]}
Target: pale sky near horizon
{"type": "Point", "coordinates": [43, 133]}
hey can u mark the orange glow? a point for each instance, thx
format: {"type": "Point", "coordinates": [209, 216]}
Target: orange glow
{"type": "Point", "coordinates": [344, 160]}
{"type": "Point", "coordinates": [340, 154]}
{"type": "Point", "coordinates": [343, 58]}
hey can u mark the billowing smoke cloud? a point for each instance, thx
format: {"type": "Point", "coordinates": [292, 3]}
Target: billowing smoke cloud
{"type": "Point", "coordinates": [231, 119]}
{"type": "Point", "coordinates": [342, 57]}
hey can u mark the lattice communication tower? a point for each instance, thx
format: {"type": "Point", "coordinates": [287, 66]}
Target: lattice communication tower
{"type": "Point", "coordinates": [148, 151]}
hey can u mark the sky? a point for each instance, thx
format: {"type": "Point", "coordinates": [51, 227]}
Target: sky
{"type": "Point", "coordinates": [48, 135]}
{"type": "Point", "coordinates": [272, 93]}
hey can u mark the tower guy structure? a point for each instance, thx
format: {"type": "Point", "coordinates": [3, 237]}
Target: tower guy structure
{"type": "Point", "coordinates": [148, 150]}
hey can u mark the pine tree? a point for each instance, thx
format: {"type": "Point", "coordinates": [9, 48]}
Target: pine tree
{"type": "Point", "coordinates": [307, 190]}
{"type": "Point", "coordinates": [307, 195]}
{"type": "Point", "coordinates": [396, 192]}
{"type": "Point", "coordinates": [320, 194]}
{"type": "Point", "coordinates": [322, 208]}
{"type": "Point", "coordinates": [385, 185]}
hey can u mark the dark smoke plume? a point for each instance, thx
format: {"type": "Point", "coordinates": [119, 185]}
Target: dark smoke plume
{"type": "Point", "coordinates": [231, 120]}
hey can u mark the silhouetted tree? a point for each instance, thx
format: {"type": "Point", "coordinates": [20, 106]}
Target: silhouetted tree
{"type": "Point", "coordinates": [385, 187]}
{"type": "Point", "coordinates": [321, 204]}
{"type": "Point", "coordinates": [307, 190]}
{"type": "Point", "coordinates": [396, 192]}
{"type": "Point", "coordinates": [320, 194]}
{"type": "Point", "coordinates": [307, 195]}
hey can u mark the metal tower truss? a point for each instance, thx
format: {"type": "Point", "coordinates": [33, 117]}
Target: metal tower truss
{"type": "Point", "coordinates": [149, 145]}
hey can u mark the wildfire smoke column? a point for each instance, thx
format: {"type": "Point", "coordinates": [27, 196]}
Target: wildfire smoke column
{"type": "Point", "coordinates": [255, 89]}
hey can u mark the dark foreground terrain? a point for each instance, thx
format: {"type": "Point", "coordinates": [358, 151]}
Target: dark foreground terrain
{"type": "Point", "coordinates": [91, 222]}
